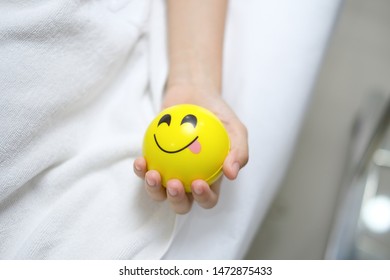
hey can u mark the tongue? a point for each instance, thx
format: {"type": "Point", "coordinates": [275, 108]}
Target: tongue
{"type": "Point", "coordinates": [195, 147]}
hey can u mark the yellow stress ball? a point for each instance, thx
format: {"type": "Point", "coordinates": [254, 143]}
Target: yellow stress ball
{"type": "Point", "coordinates": [186, 142]}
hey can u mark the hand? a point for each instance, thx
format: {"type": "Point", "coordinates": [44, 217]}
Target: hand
{"type": "Point", "coordinates": [206, 196]}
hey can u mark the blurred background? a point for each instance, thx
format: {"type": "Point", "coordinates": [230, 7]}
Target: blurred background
{"type": "Point", "coordinates": [334, 201]}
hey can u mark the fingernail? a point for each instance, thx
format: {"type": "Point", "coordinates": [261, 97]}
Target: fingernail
{"type": "Point", "coordinates": [150, 182]}
{"type": "Point", "coordinates": [198, 190]}
{"type": "Point", "coordinates": [137, 168]}
{"type": "Point", "coordinates": [172, 192]}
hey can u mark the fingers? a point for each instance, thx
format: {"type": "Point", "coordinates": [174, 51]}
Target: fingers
{"type": "Point", "coordinates": [239, 153]}
{"type": "Point", "coordinates": [179, 200]}
{"type": "Point", "coordinates": [204, 195]}
{"type": "Point", "coordinates": [140, 167]}
{"type": "Point", "coordinates": [153, 186]}
{"type": "Point", "coordinates": [152, 180]}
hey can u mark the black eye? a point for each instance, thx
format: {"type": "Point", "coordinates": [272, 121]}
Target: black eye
{"type": "Point", "coordinates": [165, 119]}
{"type": "Point", "coordinates": [190, 119]}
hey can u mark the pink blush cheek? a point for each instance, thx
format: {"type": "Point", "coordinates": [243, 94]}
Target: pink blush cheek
{"type": "Point", "coordinates": [195, 147]}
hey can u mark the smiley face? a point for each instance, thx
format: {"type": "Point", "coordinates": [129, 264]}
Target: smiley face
{"type": "Point", "coordinates": [186, 142]}
{"type": "Point", "coordinates": [194, 145]}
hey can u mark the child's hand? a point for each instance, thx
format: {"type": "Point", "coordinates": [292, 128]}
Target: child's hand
{"type": "Point", "coordinates": [206, 196]}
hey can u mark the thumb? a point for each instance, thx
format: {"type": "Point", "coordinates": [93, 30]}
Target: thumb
{"type": "Point", "coordinates": [239, 152]}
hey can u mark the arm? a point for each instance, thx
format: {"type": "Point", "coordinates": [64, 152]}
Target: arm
{"type": "Point", "coordinates": [195, 43]}
{"type": "Point", "coordinates": [195, 46]}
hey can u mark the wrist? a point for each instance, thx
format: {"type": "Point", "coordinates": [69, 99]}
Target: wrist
{"type": "Point", "coordinates": [191, 90]}
{"type": "Point", "coordinates": [191, 69]}
{"type": "Point", "coordinates": [182, 93]}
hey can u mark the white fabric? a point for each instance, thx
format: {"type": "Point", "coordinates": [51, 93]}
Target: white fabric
{"type": "Point", "coordinates": [79, 82]}
{"type": "Point", "coordinates": [75, 101]}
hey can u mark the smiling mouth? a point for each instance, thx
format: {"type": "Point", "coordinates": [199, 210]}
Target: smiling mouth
{"type": "Point", "coordinates": [176, 151]}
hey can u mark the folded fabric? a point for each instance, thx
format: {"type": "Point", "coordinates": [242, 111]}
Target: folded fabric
{"type": "Point", "coordinates": [75, 101]}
